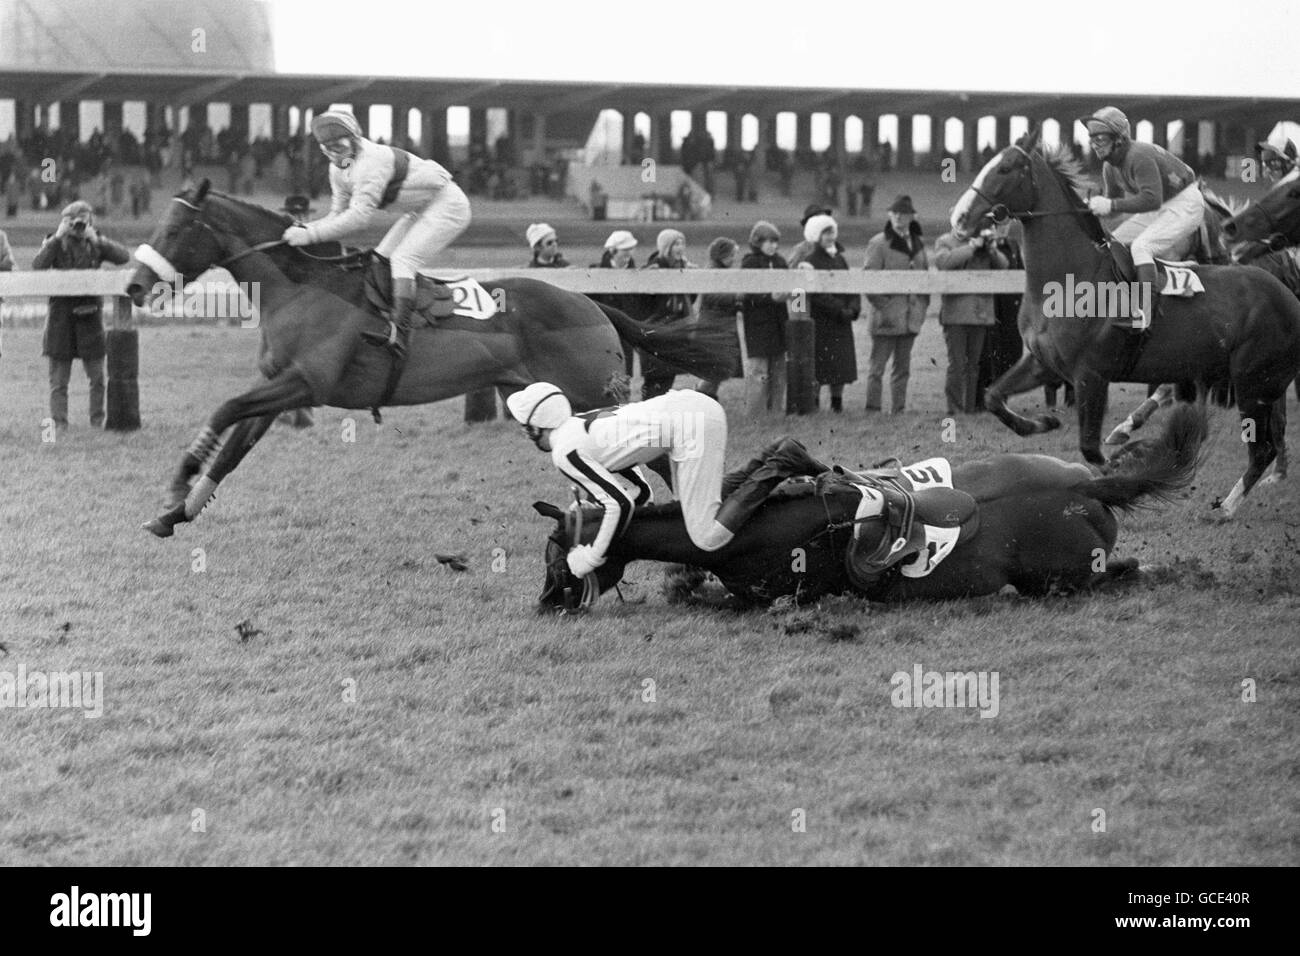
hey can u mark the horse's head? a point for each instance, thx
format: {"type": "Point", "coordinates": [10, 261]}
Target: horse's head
{"type": "Point", "coordinates": [1003, 188]}
{"type": "Point", "coordinates": [1273, 220]}
{"type": "Point", "coordinates": [190, 240]}
{"type": "Point", "coordinates": [563, 590]}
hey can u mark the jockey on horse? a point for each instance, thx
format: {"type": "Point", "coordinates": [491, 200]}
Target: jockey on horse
{"type": "Point", "coordinates": [1154, 188]}
{"type": "Point", "coordinates": [689, 427]}
{"type": "Point", "coordinates": [366, 177]}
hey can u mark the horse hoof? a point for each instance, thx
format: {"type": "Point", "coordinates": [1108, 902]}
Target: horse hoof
{"type": "Point", "coordinates": [1271, 479]}
{"type": "Point", "coordinates": [1118, 437]}
{"type": "Point", "coordinates": [158, 527]}
{"type": "Point", "coordinates": [1215, 516]}
{"type": "Point", "coordinates": [1048, 423]}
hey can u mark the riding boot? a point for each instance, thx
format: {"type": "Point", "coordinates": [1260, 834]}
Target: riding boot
{"type": "Point", "coordinates": [399, 320]}
{"type": "Point", "coordinates": [791, 454]}
{"type": "Point", "coordinates": [1147, 277]}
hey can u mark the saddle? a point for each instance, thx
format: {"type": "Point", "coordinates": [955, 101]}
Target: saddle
{"type": "Point", "coordinates": [920, 515]}
{"type": "Point", "coordinates": [433, 297]}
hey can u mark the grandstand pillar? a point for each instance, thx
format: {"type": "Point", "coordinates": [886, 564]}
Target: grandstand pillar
{"type": "Point", "coordinates": [734, 147]}
{"type": "Point", "coordinates": [239, 122]}
{"type": "Point", "coordinates": [401, 124]}
{"type": "Point", "coordinates": [433, 135]}
{"type": "Point", "coordinates": [112, 121]}
{"type": "Point", "coordinates": [24, 114]}
{"type": "Point", "coordinates": [196, 116]}
{"type": "Point", "coordinates": [280, 132]}
{"type": "Point", "coordinates": [906, 154]}
{"type": "Point", "coordinates": [970, 144]}
{"type": "Point", "coordinates": [70, 119]}
{"type": "Point", "coordinates": [1160, 132]}
{"type": "Point", "coordinates": [836, 145]}
{"type": "Point", "coordinates": [478, 128]}
{"type": "Point", "coordinates": [1066, 126]}
{"type": "Point", "coordinates": [539, 137]}
{"type": "Point", "coordinates": [802, 134]}
{"type": "Point", "coordinates": [1002, 137]}
{"type": "Point", "coordinates": [661, 135]}
{"type": "Point", "coordinates": [629, 133]}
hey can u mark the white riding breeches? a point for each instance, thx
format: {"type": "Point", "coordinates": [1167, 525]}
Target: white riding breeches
{"type": "Point", "coordinates": [1167, 232]}
{"type": "Point", "coordinates": [415, 240]}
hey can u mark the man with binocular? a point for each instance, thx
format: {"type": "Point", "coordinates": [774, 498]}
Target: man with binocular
{"type": "Point", "coordinates": [74, 327]}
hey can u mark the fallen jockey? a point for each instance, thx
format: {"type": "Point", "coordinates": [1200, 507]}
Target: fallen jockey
{"type": "Point", "coordinates": [603, 451]}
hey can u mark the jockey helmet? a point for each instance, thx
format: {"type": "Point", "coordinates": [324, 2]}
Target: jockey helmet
{"type": "Point", "coordinates": [1108, 119]}
{"type": "Point", "coordinates": [540, 405]}
{"type": "Point", "coordinates": [1277, 150]}
{"type": "Point", "coordinates": [334, 124]}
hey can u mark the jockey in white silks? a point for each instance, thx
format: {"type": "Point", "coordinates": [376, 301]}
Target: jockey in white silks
{"type": "Point", "coordinates": [1156, 190]}
{"type": "Point", "coordinates": [366, 177]}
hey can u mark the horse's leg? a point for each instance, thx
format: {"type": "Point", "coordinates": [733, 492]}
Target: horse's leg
{"type": "Point", "coordinates": [286, 391]}
{"type": "Point", "coordinates": [1259, 415]}
{"type": "Point", "coordinates": [1025, 375]}
{"type": "Point", "coordinates": [1161, 397]}
{"type": "Point", "coordinates": [1091, 392]}
{"type": "Point", "coordinates": [1277, 426]}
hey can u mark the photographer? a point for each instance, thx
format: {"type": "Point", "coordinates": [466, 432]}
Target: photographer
{"type": "Point", "coordinates": [966, 318]}
{"type": "Point", "coordinates": [74, 327]}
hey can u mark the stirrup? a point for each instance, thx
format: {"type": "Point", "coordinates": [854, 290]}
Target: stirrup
{"type": "Point", "coordinates": [388, 339]}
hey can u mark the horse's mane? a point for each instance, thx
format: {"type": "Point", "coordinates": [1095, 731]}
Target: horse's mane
{"type": "Point", "coordinates": [1225, 206]}
{"type": "Point", "coordinates": [281, 217]}
{"type": "Point", "coordinates": [1062, 162]}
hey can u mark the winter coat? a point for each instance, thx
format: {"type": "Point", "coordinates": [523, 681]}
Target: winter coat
{"type": "Point", "coordinates": [74, 327]}
{"type": "Point", "coordinates": [953, 253]}
{"type": "Point", "coordinates": [765, 319]}
{"type": "Point", "coordinates": [836, 360]}
{"type": "Point", "coordinates": [897, 314]}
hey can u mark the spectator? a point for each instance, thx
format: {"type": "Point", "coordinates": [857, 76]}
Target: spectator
{"type": "Point", "coordinates": [1002, 345]}
{"type": "Point", "coordinates": [6, 265]}
{"type": "Point", "coordinates": [764, 320]}
{"type": "Point", "coordinates": [546, 247]}
{"type": "Point", "coordinates": [966, 318]}
{"type": "Point", "coordinates": [670, 253]}
{"type": "Point", "coordinates": [895, 319]}
{"type": "Point", "coordinates": [617, 254]}
{"type": "Point", "coordinates": [721, 308]}
{"type": "Point", "coordinates": [74, 327]}
{"type": "Point", "coordinates": [801, 251]}
{"type": "Point", "coordinates": [835, 359]}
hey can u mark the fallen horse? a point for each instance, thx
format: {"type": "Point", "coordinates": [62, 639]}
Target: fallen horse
{"type": "Point", "coordinates": [1037, 523]}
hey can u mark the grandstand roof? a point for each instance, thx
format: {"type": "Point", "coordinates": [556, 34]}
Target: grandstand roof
{"type": "Point", "coordinates": [239, 85]}
{"type": "Point", "coordinates": [108, 36]}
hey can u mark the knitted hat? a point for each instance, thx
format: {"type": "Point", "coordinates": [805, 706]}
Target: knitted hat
{"type": "Point", "coordinates": [720, 248]}
{"type": "Point", "coordinates": [540, 405]}
{"type": "Point", "coordinates": [79, 208]}
{"type": "Point", "coordinates": [763, 230]}
{"type": "Point", "coordinates": [620, 239]}
{"type": "Point", "coordinates": [814, 227]}
{"type": "Point", "coordinates": [903, 206]}
{"type": "Point", "coordinates": [537, 233]}
{"type": "Point", "coordinates": [664, 241]}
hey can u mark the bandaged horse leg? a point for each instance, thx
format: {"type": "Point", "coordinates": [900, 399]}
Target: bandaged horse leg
{"type": "Point", "coordinates": [1163, 396]}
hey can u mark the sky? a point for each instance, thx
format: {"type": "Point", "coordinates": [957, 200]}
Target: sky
{"type": "Point", "coordinates": [1241, 47]}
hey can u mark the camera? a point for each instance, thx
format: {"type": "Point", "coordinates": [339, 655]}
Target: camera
{"type": "Point", "coordinates": [78, 226]}
{"type": "Point", "coordinates": [989, 236]}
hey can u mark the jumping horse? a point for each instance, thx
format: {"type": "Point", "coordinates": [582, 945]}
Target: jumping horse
{"type": "Point", "coordinates": [1244, 329]}
{"type": "Point", "coordinates": [312, 312]}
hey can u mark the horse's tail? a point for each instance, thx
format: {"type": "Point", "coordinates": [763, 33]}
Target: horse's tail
{"type": "Point", "coordinates": [709, 351]}
{"type": "Point", "coordinates": [1155, 468]}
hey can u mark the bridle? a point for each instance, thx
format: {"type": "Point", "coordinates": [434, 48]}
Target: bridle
{"type": "Point", "coordinates": [999, 211]}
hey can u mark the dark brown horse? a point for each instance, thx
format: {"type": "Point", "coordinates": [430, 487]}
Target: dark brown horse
{"type": "Point", "coordinates": [1043, 525]}
{"type": "Point", "coordinates": [1244, 330]}
{"type": "Point", "coordinates": [311, 314]}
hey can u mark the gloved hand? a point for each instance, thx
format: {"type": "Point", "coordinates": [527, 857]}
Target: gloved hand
{"type": "Point", "coordinates": [1099, 205]}
{"type": "Point", "coordinates": [296, 236]}
{"type": "Point", "coordinates": [583, 559]}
